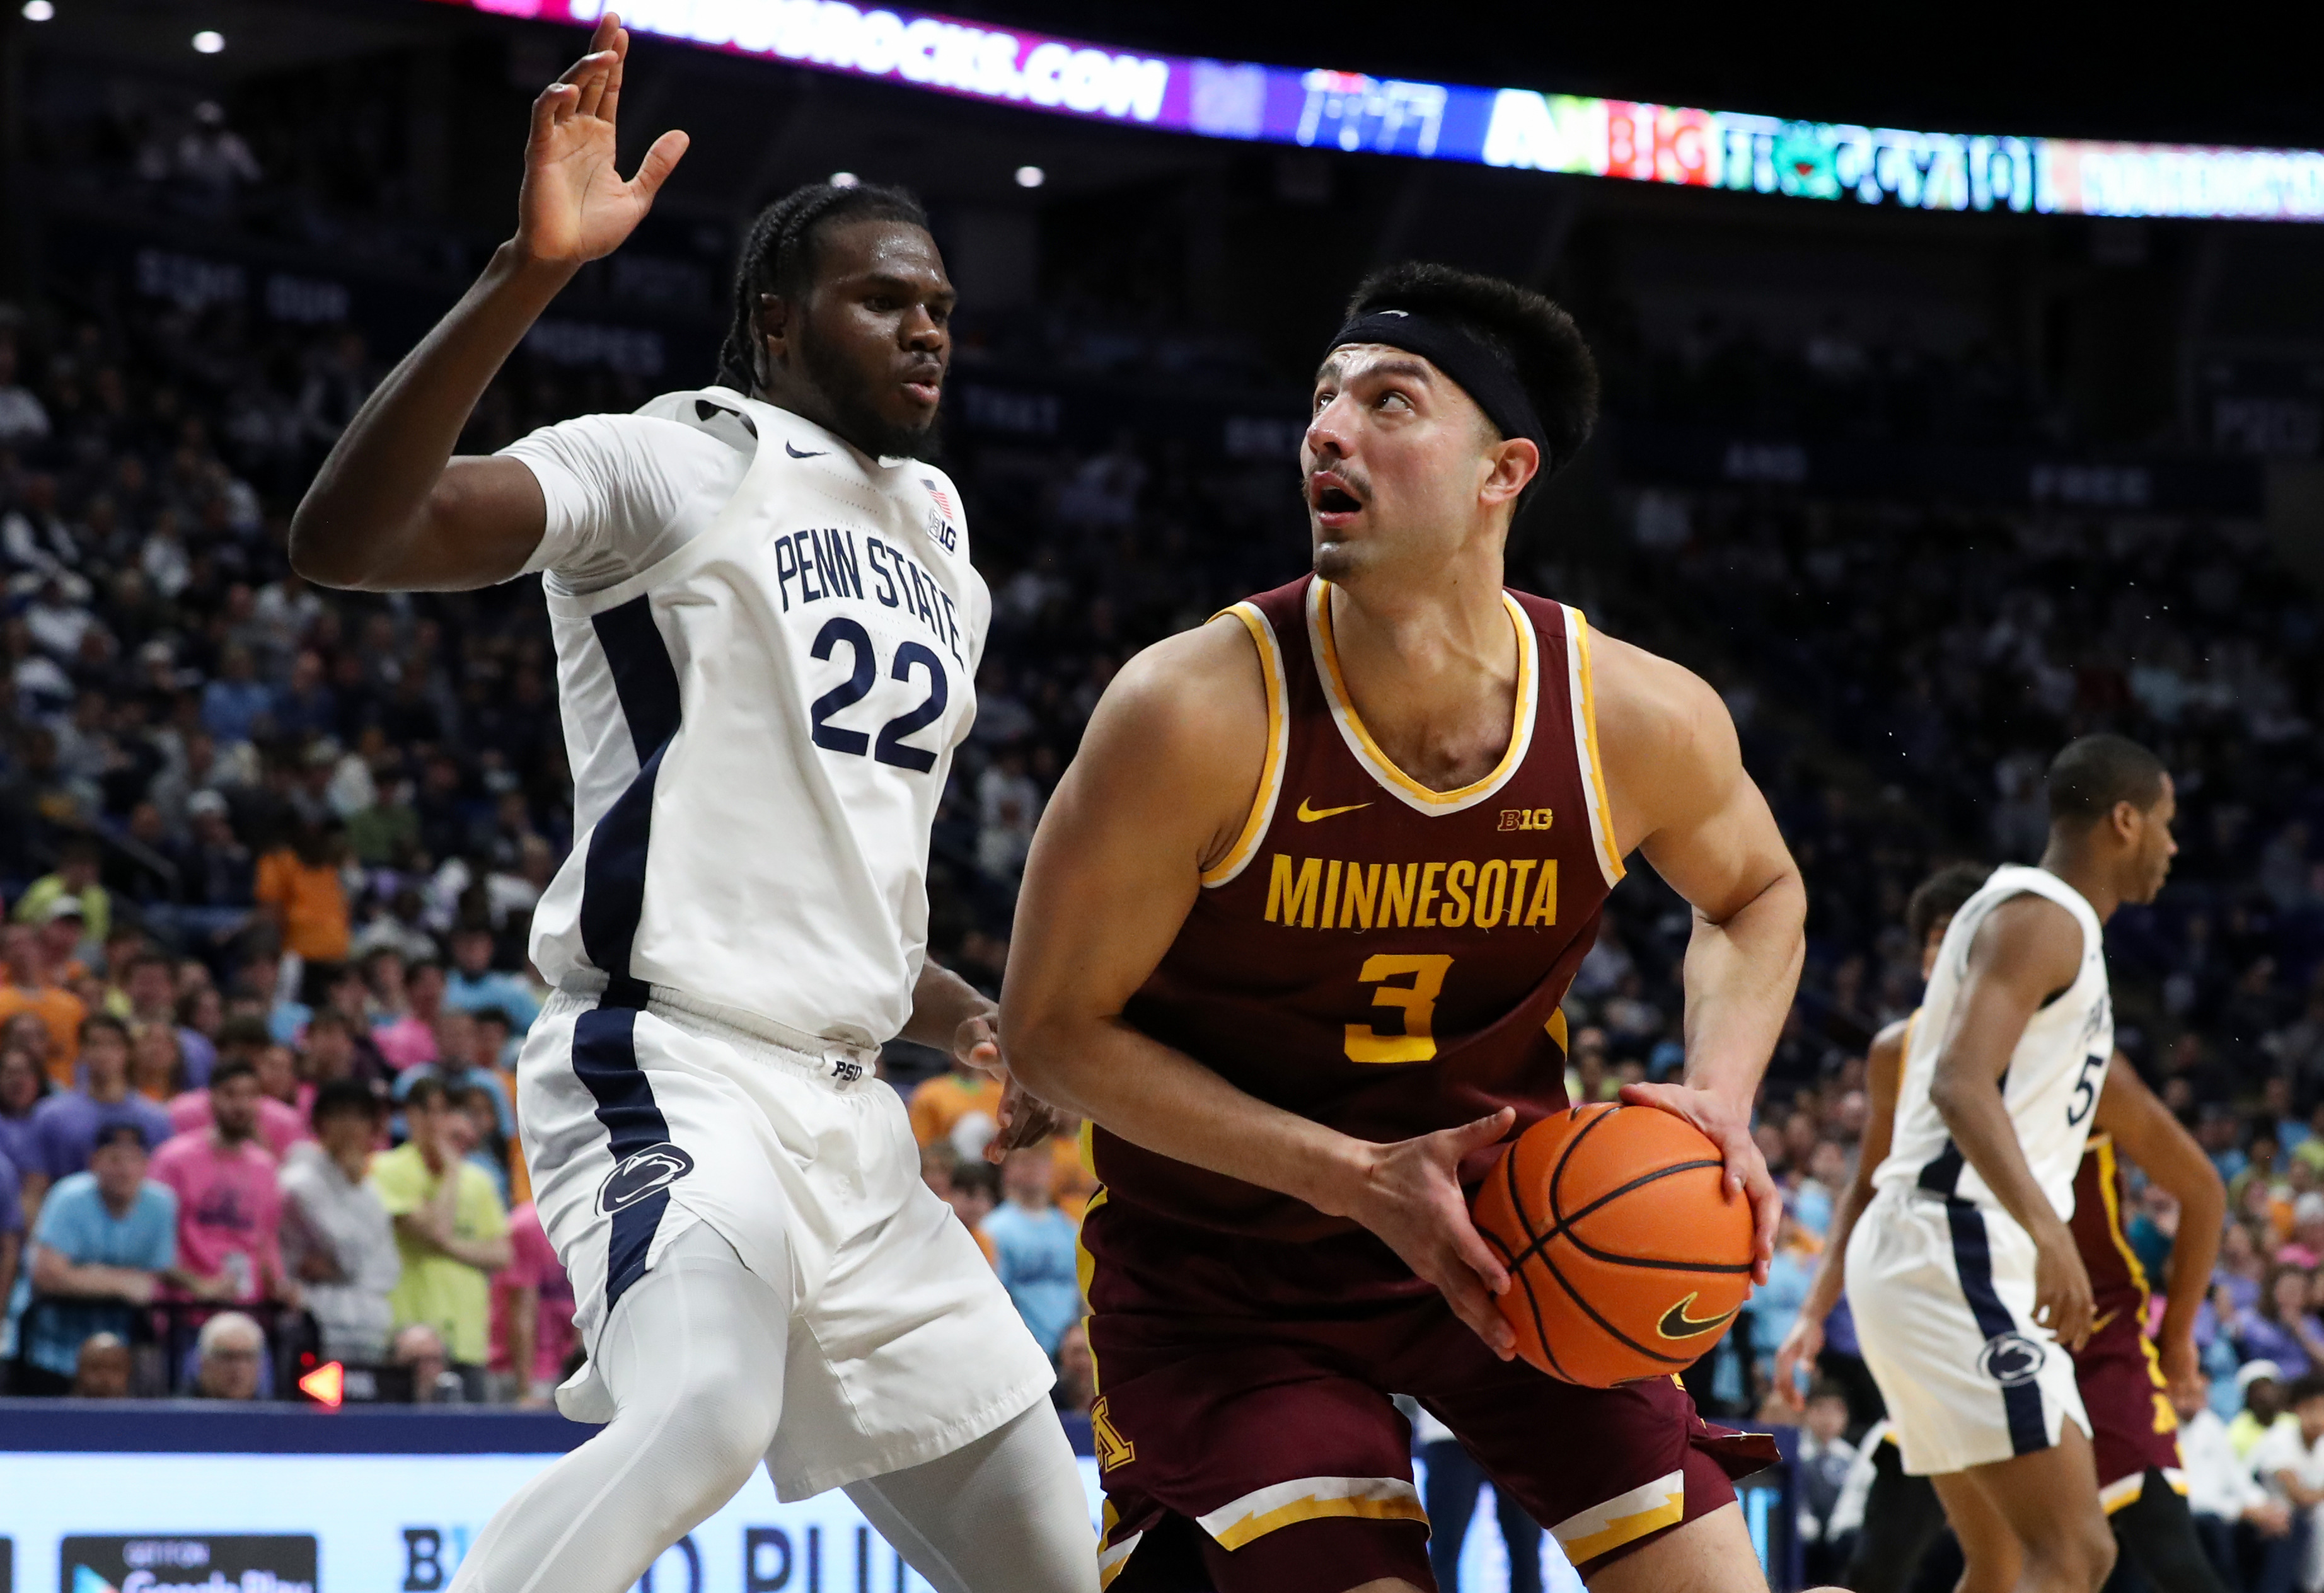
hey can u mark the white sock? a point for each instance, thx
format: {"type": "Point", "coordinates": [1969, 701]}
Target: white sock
{"type": "Point", "coordinates": [693, 1356]}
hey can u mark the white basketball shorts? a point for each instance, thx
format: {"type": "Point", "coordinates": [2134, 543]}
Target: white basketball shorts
{"type": "Point", "coordinates": [639, 1122]}
{"type": "Point", "coordinates": [1944, 1295]}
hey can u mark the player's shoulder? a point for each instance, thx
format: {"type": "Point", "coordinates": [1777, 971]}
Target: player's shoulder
{"type": "Point", "coordinates": [1193, 701]}
{"type": "Point", "coordinates": [1888, 1045]}
{"type": "Point", "coordinates": [1660, 726]}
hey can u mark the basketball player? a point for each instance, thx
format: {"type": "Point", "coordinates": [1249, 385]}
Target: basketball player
{"type": "Point", "coordinates": [1293, 934]}
{"type": "Point", "coordinates": [2126, 1382]}
{"type": "Point", "coordinates": [1963, 1271]}
{"type": "Point", "coordinates": [767, 627]}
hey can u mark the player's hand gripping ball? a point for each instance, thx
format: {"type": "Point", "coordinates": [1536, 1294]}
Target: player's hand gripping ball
{"type": "Point", "coordinates": [1626, 1255]}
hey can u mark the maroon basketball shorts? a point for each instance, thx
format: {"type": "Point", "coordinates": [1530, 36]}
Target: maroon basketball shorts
{"type": "Point", "coordinates": [1247, 1441]}
{"type": "Point", "coordinates": [2132, 1428]}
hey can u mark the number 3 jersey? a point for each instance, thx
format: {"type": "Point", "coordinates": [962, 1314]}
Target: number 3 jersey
{"type": "Point", "coordinates": [1373, 954]}
{"type": "Point", "coordinates": [767, 643]}
{"type": "Point", "coordinates": [2050, 1087]}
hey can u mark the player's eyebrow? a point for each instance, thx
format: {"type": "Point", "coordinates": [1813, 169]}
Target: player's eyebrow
{"type": "Point", "coordinates": [1410, 367]}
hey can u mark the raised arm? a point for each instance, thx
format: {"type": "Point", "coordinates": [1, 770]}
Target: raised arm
{"type": "Point", "coordinates": [1884, 1070]}
{"type": "Point", "coordinates": [1161, 788]}
{"type": "Point", "coordinates": [1679, 794]}
{"type": "Point", "coordinates": [392, 509]}
{"type": "Point", "coordinates": [2027, 949]}
{"type": "Point", "coordinates": [2144, 1131]}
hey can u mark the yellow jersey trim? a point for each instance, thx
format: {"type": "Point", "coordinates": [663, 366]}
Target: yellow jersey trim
{"type": "Point", "coordinates": [1411, 792]}
{"type": "Point", "coordinates": [1312, 1498]}
{"type": "Point", "coordinates": [1624, 1519]}
{"type": "Point", "coordinates": [1271, 777]}
{"type": "Point", "coordinates": [1582, 687]}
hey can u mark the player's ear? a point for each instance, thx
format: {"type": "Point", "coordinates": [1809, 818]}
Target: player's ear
{"type": "Point", "coordinates": [1515, 461]}
{"type": "Point", "coordinates": [774, 324]}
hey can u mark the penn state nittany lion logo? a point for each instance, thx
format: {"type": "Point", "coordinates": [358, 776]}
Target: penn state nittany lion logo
{"type": "Point", "coordinates": [639, 1174]}
{"type": "Point", "coordinates": [2011, 1360]}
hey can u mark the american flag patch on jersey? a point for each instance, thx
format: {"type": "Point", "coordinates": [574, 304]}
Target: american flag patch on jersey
{"type": "Point", "coordinates": [937, 493]}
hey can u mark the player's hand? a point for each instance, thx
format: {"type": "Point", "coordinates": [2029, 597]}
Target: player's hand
{"type": "Point", "coordinates": [2272, 1518]}
{"type": "Point", "coordinates": [2061, 1285]}
{"type": "Point", "coordinates": [1409, 1194]}
{"type": "Point", "coordinates": [1728, 1126]}
{"type": "Point", "coordinates": [575, 206]}
{"type": "Point", "coordinates": [1025, 1119]}
{"type": "Point", "coordinates": [1800, 1347]}
{"type": "Point", "coordinates": [2182, 1369]}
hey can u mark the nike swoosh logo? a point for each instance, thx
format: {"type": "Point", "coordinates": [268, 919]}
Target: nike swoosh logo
{"type": "Point", "coordinates": [1677, 1324]}
{"type": "Point", "coordinates": [810, 454]}
{"type": "Point", "coordinates": [2101, 1322]}
{"type": "Point", "coordinates": [1308, 815]}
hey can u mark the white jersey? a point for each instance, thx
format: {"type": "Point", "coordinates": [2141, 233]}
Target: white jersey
{"type": "Point", "coordinates": [766, 648]}
{"type": "Point", "coordinates": [2054, 1075]}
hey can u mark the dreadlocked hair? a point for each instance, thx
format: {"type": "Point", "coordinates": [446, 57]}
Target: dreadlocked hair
{"type": "Point", "coordinates": [779, 258]}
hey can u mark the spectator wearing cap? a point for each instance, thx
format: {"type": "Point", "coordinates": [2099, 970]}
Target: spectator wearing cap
{"type": "Point", "coordinates": [2305, 1249]}
{"type": "Point", "coordinates": [336, 1237]}
{"type": "Point", "coordinates": [220, 875]}
{"type": "Point", "coordinates": [27, 984]}
{"type": "Point", "coordinates": [106, 1243]}
{"type": "Point", "coordinates": [103, 1369]}
{"type": "Point", "coordinates": [65, 941]}
{"type": "Point", "coordinates": [2260, 1383]}
{"type": "Point", "coordinates": [229, 1355]}
{"type": "Point", "coordinates": [2222, 1494]}
{"type": "Point", "coordinates": [475, 985]}
{"type": "Point", "coordinates": [65, 1125]}
{"type": "Point", "coordinates": [74, 880]}
{"type": "Point", "coordinates": [229, 1205]}
{"type": "Point", "coordinates": [451, 1230]}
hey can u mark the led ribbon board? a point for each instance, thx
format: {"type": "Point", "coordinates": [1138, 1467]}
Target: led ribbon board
{"type": "Point", "coordinates": [1510, 127]}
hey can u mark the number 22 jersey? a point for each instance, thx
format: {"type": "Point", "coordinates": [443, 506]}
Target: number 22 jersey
{"type": "Point", "coordinates": [1375, 956]}
{"type": "Point", "coordinates": [767, 645]}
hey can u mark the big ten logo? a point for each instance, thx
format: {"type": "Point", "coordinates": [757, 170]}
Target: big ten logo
{"type": "Point", "coordinates": [771, 1561]}
{"type": "Point", "coordinates": [1524, 818]}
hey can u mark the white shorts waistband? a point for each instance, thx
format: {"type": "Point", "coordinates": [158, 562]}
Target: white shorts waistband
{"type": "Point", "coordinates": [834, 1062]}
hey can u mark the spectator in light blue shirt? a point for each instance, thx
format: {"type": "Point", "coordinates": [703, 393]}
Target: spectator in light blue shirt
{"type": "Point", "coordinates": [233, 702]}
{"type": "Point", "coordinates": [473, 985]}
{"type": "Point", "coordinates": [105, 1241]}
{"type": "Point", "coordinates": [1034, 1247]}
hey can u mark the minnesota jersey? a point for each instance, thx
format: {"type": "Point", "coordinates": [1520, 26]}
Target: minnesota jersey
{"type": "Point", "coordinates": [1376, 955]}
{"type": "Point", "coordinates": [760, 724]}
{"type": "Point", "coordinates": [2050, 1087]}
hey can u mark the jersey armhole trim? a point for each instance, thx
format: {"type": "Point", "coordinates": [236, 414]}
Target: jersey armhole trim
{"type": "Point", "coordinates": [1582, 691]}
{"type": "Point", "coordinates": [1271, 773]}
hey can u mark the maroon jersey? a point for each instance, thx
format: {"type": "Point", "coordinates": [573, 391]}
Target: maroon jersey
{"type": "Point", "coordinates": [2118, 1284]}
{"type": "Point", "coordinates": [2133, 1427]}
{"type": "Point", "coordinates": [1381, 957]}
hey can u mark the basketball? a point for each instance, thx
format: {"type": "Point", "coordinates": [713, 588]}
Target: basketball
{"type": "Point", "coordinates": [1627, 1257]}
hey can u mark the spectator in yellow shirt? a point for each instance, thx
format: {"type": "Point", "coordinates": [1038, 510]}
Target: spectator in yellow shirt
{"type": "Point", "coordinates": [451, 1231]}
{"type": "Point", "coordinates": [26, 986]}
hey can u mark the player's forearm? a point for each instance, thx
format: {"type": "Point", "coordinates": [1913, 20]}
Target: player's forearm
{"type": "Point", "coordinates": [1832, 1271]}
{"type": "Point", "coordinates": [1162, 1100]}
{"type": "Point", "coordinates": [359, 522]}
{"type": "Point", "coordinates": [1978, 1121]}
{"type": "Point", "coordinates": [2194, 1253]}
{"type": "Point", "coordinates": [1740, 976]}
{"type": "Point", "coordinates": [940, 1002]}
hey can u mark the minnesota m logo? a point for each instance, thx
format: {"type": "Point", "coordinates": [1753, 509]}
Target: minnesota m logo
{"type": "Point", "coordinates": [1111, 1449]}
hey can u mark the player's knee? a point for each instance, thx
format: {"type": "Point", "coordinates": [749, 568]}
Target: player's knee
{"type": "Point", "coordinates": [699, 1452]}
{"type": "Point", "coordinates": [2082, 1554]}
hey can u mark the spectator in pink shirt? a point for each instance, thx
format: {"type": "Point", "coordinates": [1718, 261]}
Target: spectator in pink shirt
{"type": "Point", "coordinates": [280, 1127]}
{"type": "Point", "coordinates": [532, 1311]}
{"type": "Point", "coordinates": [411, 1040]}
{"type": "Point", "coordinates": [229, 1208]}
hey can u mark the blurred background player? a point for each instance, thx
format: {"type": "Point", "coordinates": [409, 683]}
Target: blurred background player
{"type": "Point", "coordinates": [1963, 1271]}
{"type": "Point", "coordinates": [1246, 1025]}
{"type": "Point", "coordinates": [767, 627]}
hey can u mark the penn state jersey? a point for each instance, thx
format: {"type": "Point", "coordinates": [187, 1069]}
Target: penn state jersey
{"type": "Point", "coordinates": [2051, 1085]}
{"type": "Point", "coordinates": [760, 722]}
